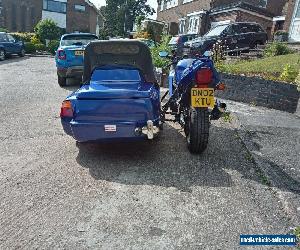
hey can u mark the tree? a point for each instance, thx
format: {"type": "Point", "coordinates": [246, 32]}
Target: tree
{"type": "Point", "coordinates": [121, 15]}
{"type": "Point", "coordinates": [47, 29]}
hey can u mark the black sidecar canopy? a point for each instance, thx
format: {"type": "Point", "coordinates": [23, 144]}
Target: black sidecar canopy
{"type": "Point", "coordinates": [118, 52]}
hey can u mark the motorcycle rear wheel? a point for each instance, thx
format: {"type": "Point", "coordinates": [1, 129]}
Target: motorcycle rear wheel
{"type": "Point", "coordinates": [197, 132]}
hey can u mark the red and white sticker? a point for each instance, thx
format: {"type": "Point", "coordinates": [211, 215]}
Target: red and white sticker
{"type": "Point", "coordinates": [110, 128]}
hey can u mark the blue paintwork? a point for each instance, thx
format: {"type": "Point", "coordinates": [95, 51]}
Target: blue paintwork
{"type": "Point", "coordinates": [185, 70]}
{"type": "Point", "coordinates": [128, 104]}
{"type": "Point", "coordinates": [71, 59]}
{"type": "Point", "coordinates": [10, 46]}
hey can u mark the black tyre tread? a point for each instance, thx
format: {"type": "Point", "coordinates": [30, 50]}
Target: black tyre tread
{"type": "Point", "coordinates": [21, 54]}
{"type": "Point", "coordinates": [199, 130]}
{"type": "Point", "coordinates": [62, 81]}
{"type": "Point", "coordinates": [4, 54]}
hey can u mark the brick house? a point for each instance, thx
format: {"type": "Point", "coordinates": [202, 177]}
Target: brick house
{"type": "Point", "coordinates": [197, 16]}
{"type": "Point", "coordinates": [20, 15]}
{"type": "Point", "coordinates": [71, 15]}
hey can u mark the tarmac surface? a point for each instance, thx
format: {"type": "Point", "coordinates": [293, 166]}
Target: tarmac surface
{"type": "Point", "coordinates": [148, 195]}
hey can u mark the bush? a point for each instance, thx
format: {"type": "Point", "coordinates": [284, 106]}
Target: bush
{"type": "Point", "coordinates": [40, 47]}
{"type": "Point", "coordinates": [35, 40]}
{"type": "Point", "coordinates": [297, 81]}
{"type": "Point", "coordinates": [163, 46]}
{"type": "Point", "coordinates": [47, 29]}
{"type": "Point", "coordinates": [25, 37]}
{"type": "Point", "coordinates": [29, 48]}
{"type": "Point", "coordinates": [281, 33]}
{"type": "Point", "coordinates": [289, 73]}
{"type": "Point", "coordinates": [52, 46]}
{"type": "Point", "coordinates": [3, 30]}
{"type": "Point", "coordinates": [277, 49]}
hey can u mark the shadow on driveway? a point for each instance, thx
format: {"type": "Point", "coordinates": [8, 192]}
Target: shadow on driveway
{"type": "Point", "coordinates": [167, 162]}
{"type": "Point", "coordinates": [13, 59]}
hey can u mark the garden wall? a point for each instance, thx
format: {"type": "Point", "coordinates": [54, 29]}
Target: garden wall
{"type": "Point", "coordinates": [260, 92]}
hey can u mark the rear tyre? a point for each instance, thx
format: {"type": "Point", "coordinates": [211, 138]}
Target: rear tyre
{"type": "Point", "coordinates": [2, 55]}
{"type": "Point", "coordinates": [198, 130]}
{"type": "Point", "coordinates": [22, 53]}
{"type": "Point", "coordinates": [62, 81]}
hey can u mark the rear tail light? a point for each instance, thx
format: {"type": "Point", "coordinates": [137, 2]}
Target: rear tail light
{"type": "Point", "coordinates": [66, 109]}
{"type": "Point", "coordinates": [61, 54]}
{"type": "Point", "coordinates": [204, 77]}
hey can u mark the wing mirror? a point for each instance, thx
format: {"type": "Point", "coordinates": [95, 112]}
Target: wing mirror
{"type": "Point", "coordinates": [163, 53]}
{"type": "Point", "coordinates": [207, 53]}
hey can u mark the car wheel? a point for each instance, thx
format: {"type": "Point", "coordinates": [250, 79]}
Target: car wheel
{"type": "Point", "coordinates": [2, 55]}
{"type": "Point", "coordinates": [22, 53]}
{"type": "Point", "coordinates": [62, 81]}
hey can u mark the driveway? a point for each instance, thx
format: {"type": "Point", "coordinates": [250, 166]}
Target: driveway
{"type": "Point", "coordinates": [150, 195]}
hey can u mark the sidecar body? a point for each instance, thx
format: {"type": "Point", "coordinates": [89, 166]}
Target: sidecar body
{"type": "Point", "coordinates": [119, 98]}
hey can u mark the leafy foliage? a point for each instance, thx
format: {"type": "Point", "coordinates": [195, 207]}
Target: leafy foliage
{"type": "Point", "coordinates": [268, 68]}
{"type": "Point", "coordinates": [163, 46]}
{"type": "Point", "coordinates": [47, 29]}
{"type": "Point", "coordinates": [281, 33]}
{"type": "Point", "coordinates": [25, 37]}
{"type": "Point", "coordinates": [277, 49]}
{"type": "Point", "coordinates": [142, 34]}
{"type": "Point", "coordinates": [121, 15]}
{"type": "Point", "coordinates": [52, 46]}
{"type": "Point", "coordinates": [40, 47]}
{"type": "Point", "coordinates": [297, 81]}
{"type": "Point", "coordinates": [289, 73]}
{"type": "Point", "coordinates": [29, 48]}
{"type": "Point", "coordinates": [35, 40]}
{"type": "Point", "coordinates": [3, 30]}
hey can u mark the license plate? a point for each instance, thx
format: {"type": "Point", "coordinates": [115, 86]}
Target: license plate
{"type": "Point", "coordinates": [202, 98]}
{"type": "Point", "coordinates": [110, 128]}
{"type": "Point", "coordinates": [79, 53]}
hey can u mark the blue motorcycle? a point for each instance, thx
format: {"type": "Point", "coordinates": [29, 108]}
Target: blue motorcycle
{"type": "Point", "coordinates": [192, 85]}
{"type": "Point", "coordinates": [119, 99]}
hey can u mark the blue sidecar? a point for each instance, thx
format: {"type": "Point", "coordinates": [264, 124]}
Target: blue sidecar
{"type": "Point", "coordinates": [119, 98]}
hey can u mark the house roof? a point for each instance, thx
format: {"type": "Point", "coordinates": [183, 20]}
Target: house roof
{"type": "Point", "coordinates": [241, 5]}
{"type": "Point", "coordinates": [94, 7]}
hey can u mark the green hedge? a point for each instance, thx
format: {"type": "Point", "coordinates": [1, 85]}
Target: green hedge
{"type": "Point", "coordinates": [25, 37]}
{"type": "Point", "coordinates": [29, 48]}
{"type": "Point", "coordinates": [277, 49]}
{"type": "Point", "coordinates": [40, 47]}
{"type": "Point", "coordinates": [52, 46]}
{"type": "Point", "coordinates": [3, 30]}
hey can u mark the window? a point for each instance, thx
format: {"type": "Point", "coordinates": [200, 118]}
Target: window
{"type": "Point", "coordinates": [171, 3]}
{"type": "Point", "coordinates": [3, 37]}
{"type": "Point", "coordinates": [263, 3]}
{"type": "Point", "coordinates": [297, 15]}
{"type": "Point", "coordinates": [194, 24]}
{"type": "Point", "coordinates": [23, 18]}
{"type": "Point", "coordinates": [216, 31]}
{"type": "Point", "coordinates": [32, 16]}
{"type": "Point", "coordinates": [11, 38]}
{"type": "Point", "coordinates": [55, 6]}
{"type": "Point", "coordinates": [181, 26]}
{"type": "Point", "coordinates": [13, 17]}
{"type": "Point", "coordinates": [116, 75]}
{"type": "Point", "coordinates": [162, 5]}
{"type": "Point", "coordinates": [80, 7]}
{"type": "Point", "coordinates": [77, 40]}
